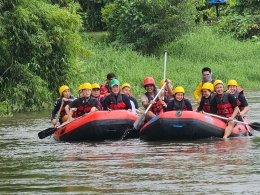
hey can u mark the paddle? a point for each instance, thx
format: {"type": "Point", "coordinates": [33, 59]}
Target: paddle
{"type": "Point", "coordinates": [248, 132]}
{"type": "Point", "coordinates": [255, 125]}
{"type": "Point", "coordinates": [137, 124]}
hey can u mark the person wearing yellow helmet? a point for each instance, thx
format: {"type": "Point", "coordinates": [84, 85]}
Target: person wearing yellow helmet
{"type": "Point", "coordinates": [224, 104]}
{"type": "Point", "coordinates": [95, 93]}
{"type": "Point", "coordinates": [237, 92]}
{"type": "Point", "coordinates": [84, 104]}
{"type": "Point", "coordinates": [207, 92]}
{"type": "Point", "coordinates": [80, 92]}
{"type": "Point", "coordinates": [159, 105]}
{"type": "Point", "coordinates": [206, 77]}
{"type": "Point", "coordinates": [116, 100]}
{"type": "Point", "coordinates": [126, 89]}
{"type": "Point", "coordinates": [179, 103]}
{"type": "Point", "coordinates": [58, 113]}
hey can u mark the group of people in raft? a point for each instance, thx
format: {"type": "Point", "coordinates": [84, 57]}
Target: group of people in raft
{"type": "Point", "coordinates": [211, 96]}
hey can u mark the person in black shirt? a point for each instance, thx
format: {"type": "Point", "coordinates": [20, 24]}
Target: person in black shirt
{"type": "Point", "coordinates": [116, 100]}
{"type": "Point", "coordinates": [224, 104]}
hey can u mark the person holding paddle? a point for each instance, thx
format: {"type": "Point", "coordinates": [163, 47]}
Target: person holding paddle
{"type": "Point", "coordinates": [82, 105]}
{"type": "Point", "coordinates": [58, 114]}
{"type": "Point", "coordinates": [126, 89]}
{"type": "Point", "coordinates": [158, 106]}
{"type": "Point", "coordinates": [224, 104]}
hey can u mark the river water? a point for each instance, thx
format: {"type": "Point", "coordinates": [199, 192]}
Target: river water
{"type": "Point", "coordinates": [29, 165]}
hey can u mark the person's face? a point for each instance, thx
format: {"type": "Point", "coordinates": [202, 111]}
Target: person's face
{"type": "Point", "coordinates": [206, 74]}
{"type": "Point", "coordinates": [108, 80]}
{"type": "Point", "coordinates": [149, 88]}
{"type": "Point", "coordinates": [115, 89]}
{"type": "Point", "coordinates": [86, 93]}
{"type": "Point", "coordinates": [81, 94]}
{"type": "Point", "coordinates": [219, 89]}
{"type": "Point", "coordinates": [66, 93]}
{"type": "Point", "coordinates": [232, 88]}
{"type": "Point", "coordinates": [179, 96]}
{"type": "Point", "coordinates": [205, 93]}
{"type": "Point", "coordinates": [95, 92]}
{"type": "Point", "coordinates": [126, 90]}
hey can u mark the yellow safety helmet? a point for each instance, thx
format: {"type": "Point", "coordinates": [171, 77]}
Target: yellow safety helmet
{"type": "Point", "coordinates": [218, 82]}
{"type": "Point", "coordinates": [125, 85]}
{"type": "Point", "coordinates": [179, 89]}
{"type": "Point", "coordinates": [232, 82]}
{"type": "Point", "coordinates": [86, 86]}
{"type": "Point", "coordinates": [63, 88]}
{"type": "Point", "coordinates": [80, 87]}
{"type": "Point", "coordinates": [95, 86]}
{"type": "Point", "coordinates": [208, 86]}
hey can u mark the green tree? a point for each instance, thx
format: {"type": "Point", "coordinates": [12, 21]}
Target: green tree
{"type": "Point", "coordinates": [242, 18]}
{"type": "Point", "coordinates": [39, 50]}
{"type": "Point", "coordinates": [145, 25]}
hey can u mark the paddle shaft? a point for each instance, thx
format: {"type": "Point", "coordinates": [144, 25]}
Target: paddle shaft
{"type": "Point", "coordinates": [147, 109]}
{"type": "Point", "coordinates": [224, 118]}
{"type": "Point", "coordinates": [164, 68]}
{"type": "Point", "coordinates": [58, 114]}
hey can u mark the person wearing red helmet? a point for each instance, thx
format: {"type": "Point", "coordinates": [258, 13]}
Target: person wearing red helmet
{"type": "Point", "coordinates": [159, 105]}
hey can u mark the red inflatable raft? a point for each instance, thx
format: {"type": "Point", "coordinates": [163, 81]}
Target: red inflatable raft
{"type": "Point", "coordinates": [100, 125]}
{"type": "Point", "coordinates": [177, 125]}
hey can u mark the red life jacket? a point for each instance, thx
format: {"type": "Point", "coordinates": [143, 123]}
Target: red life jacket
{"type": "Point", "coordinates": [157, 107]}
{"type": "Point", "coordinates": [179, 105]}
{"type": "Point", "coordinates": [224, 107]}
{"type": "Point", "coordinates": [116, 103]}
{"type": "Point", "coordinates": [84, 107]}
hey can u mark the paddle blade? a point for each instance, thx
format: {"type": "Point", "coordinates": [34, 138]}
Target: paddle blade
{"type": "Point", "coordinates": [255, 126]}
{"type": "Point", "coordinates": [46, 132]}
{"type": "Point", "coordinates": [138, 123]}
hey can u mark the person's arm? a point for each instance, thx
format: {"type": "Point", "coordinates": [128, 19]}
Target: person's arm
{"type": "Point", "coordinates": [202, 102]}
{"type": "Point", "coordinates": [106, 103]}
{"type": "Point", "coordinates": [135, 102]}
{"type": "Point", "coordinates": [244, 104]}
{"type": "Point", "coordinates": [144, 101]}
{"type": "Point", "coordinates": [69, 108]}
{"type": "Point", "coordinates": [233, 103]}
{"type": "Point", "coordinates": [197, 92]}
{"type": "Point", "coordinates": [169, 106]}
{"type": "Point", "coordinates": [213, 106]}
{"type": "Point", "coordinates": [188, 105]}
{"type": "Point", "coordinates": [127, 102]}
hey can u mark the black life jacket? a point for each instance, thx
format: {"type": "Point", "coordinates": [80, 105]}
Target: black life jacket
{"type": "Point", "coordinates": [179, 105]}
{"type": "Point", "coordinates": [116, 102]}
{"type": "Point", "coordinates": [206, 106]}
{"type": "Point", "coordinates": [84, 107]}
{"type": "Point", "coordinates": [224, 107]}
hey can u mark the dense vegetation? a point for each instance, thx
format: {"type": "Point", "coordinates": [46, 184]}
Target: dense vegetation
{"type": "Point", "coordinates": [43, 45]}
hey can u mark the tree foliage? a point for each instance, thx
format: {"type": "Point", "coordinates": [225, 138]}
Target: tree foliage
{"type": "Point", "coordinates": [39, 47]}
{"type": "Point", "coordinates": [242, 18]}
{"type": "Point", "coordinates": [146, 25]}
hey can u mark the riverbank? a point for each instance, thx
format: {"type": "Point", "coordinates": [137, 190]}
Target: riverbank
{"type": "Point", "coordinates": [228, 58]}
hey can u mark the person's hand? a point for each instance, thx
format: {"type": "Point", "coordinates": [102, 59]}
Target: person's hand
{"type": "Point", "coordinates": [65, 99]}
{"type": "Point", "coordinates": [163, 103]}
{"type": "Point", "coordinates": [242, 114]}
{"type": "Point", "coordinates": [54, 122]}
{"type": "Point", "coordinates": [198, 102]}
{"type": "Point", "coordinates": [230, 119]}
{"type": "Point", "coordinates": [151, 102]}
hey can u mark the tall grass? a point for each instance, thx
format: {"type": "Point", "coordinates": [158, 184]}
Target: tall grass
{"type": "Point", "coordinates": [228, 59]}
